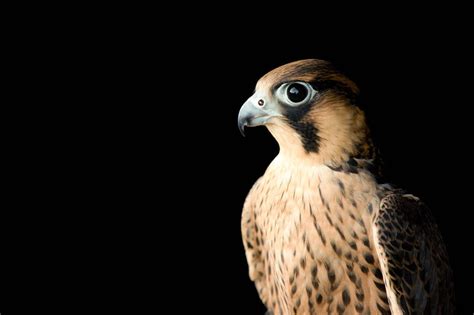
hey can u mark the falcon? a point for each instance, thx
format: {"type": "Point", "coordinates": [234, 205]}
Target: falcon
{"type": "Point", "coordinates": [321, 234]}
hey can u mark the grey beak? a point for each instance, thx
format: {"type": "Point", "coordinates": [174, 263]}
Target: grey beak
{"type": "Point", "coordinates": [251, 115]}
{"type": "Point", "coordinates": [242, 123]}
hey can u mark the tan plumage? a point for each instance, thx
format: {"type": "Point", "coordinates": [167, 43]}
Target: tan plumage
{"type": "Point", "coordinates": [318, 230]}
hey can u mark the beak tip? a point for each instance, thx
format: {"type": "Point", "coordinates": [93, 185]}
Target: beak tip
{"type": "Point", "coordinates": [242, 128]}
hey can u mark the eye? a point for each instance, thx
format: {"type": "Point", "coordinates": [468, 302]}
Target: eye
{"type": "Point", "coordinates": [296, 92]}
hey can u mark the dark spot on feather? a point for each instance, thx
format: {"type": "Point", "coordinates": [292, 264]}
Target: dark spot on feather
{"type": "Point", "coordinates": [293, 290]}
{"type": "Point", "coordinates": [369, 258]}
{"type": "Point", "coordinates": [366, 242]}
{"type": "Point", "coordinates": [364, 269]}
{"type": "Point", "coordinates": [350, 266]}
{"type": "Point", "coordinates": [331, 276]}
{"type": "Point", "coordinates": [341, 187]}
{"type": "Point", "coordinates": [370, 208]}
{"type": "Point", "coordinates": [340, 308]}
{"type": "Point", "coordinates": [377, 273]}
{"type": "Point", "coordinates": [380, 286]}
{"type": "Point", "coordinates": [353, 245]}
{"type": "Point", "coordinates": [303, 263]}
{"type": "Point", "coordinates": [383, 310]}
{"type": "Point", "coordinates": [328, 218]}
{"type": "Point", "coordinates": [296, 271]}
{"type": "Point", "coordinates": [352, 276]}
{"type": "Point", "coordinates": [340, 233]}
{"type": "Point", "coordinates": [360, 296]}
{"type": "Point", "coordinates": [353, 203]}
{"type": "Point", "coordinates": [335, 248]}
{"type": "Point", "coordinates": [319, 298]}
{"type": "Point", "coordinates": [384, 298]}
{"type": "Point", "coordinates": [315, 283]}
{"type": "Point", "coordinates": [321, 195]}
{"type": "Point", "coordinates": [320, 233]}
{"type": "Point", "coordinates": [346, 299]}
{"type": "Point", "coordinates": [359, 308]}
{"type": "Point", "coordinates": [292, 279]}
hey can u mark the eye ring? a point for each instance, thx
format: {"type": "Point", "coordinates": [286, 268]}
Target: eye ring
{"type": "Point", "coordinates": [295, 93]}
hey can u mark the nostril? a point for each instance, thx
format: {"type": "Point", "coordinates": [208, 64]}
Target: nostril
{"type": "Point", "coordinates": [261, 102]}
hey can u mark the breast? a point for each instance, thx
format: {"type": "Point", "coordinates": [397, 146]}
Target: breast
{"type": "Point", "coordinates": [316, 235]}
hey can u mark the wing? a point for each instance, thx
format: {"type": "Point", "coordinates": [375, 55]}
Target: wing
{"type": "Point", "coordinates": [413, 257]}
{"type": "Point", "coordinates": [251, 237]}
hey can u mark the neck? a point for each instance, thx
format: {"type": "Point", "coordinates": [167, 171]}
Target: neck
{"type": "Point", "coordinates": [291, 145]}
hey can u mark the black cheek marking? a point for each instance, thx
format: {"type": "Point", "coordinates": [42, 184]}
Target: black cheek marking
{"type": "Point", "coordinates": [308, 134]}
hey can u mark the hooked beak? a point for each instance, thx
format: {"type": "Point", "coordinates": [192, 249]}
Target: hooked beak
{"type": "Point", "coordinates": [252, 114]}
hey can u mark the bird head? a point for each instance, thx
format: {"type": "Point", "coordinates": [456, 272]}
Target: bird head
{"type": "Point", "coordinates": [309, 108]}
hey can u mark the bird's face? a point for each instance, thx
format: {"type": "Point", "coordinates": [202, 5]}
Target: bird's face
{"type": "Point", "coordinates": [309, 108]}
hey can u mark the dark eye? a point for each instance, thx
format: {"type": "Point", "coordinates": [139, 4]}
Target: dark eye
{"type": "Point", "coordinates": [297, 92]}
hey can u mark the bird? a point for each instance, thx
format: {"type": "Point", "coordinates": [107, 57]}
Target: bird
{"type": "Point", "coordinates": [323, 233]}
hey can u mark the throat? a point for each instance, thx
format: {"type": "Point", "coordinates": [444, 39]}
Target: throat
{"type": "Point", "coordinates": [298, 147]}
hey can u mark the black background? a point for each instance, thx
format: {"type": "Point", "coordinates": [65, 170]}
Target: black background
{"type": "Point", "coordinates": [141, 173]}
